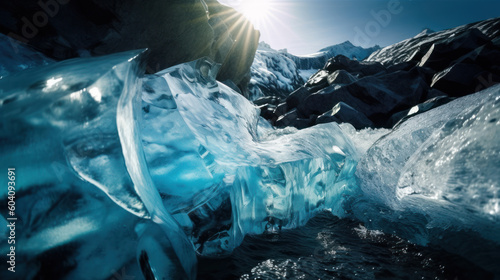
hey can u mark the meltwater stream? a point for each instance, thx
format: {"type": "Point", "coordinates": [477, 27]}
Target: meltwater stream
{"type": "Point", "coordinates": [331, 248]}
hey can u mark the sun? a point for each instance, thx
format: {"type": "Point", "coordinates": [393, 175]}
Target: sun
{"type": "Point", "coordinates": [257, 11]}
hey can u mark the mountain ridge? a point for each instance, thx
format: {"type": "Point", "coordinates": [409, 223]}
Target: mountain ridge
{"type": "Point", "coordinates": [278, 72]}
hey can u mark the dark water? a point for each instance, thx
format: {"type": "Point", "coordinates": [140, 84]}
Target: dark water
{"type": "Point", "coordinates": [332, 248]}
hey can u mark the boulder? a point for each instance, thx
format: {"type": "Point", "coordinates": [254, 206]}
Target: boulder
{"type": "Point", "coordinates": [341, 77]}
{"type": "Point", "coordinates": [432, 93]}
{"type": "Point", "coordinates": [267, 112]}
{"type": "Point", "coordinates": [343, 113]}
{"type": "Point", "coordinates": [267, 100]}
{"type": "Point", "coordinates": [403, 66]}
{"type": "Point", "coordinates": [281, 109]}
{"type": "Point", "coordinates": [441, 54]}
{"type": "Point", "coordinates": [486, 56]}
{"type": "Point", "coordinates": [460, 79]}
{"type": "Point", "coordinates": [319, 79]}
{"type": "Point", "coordinates": [296, 97]}
{"type": "Point", "coordinates": [292, 119]}
{"type": "Point", "coordinates": [355, 67]}
{"type": "Point", "coordinates": [376, 97]}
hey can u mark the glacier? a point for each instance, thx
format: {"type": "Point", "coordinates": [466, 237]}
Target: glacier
{"type": "Point", "coordinates": [435, 179]}
{"type": "Point", "coordinates": [234, 173]}
{"type": "Point", "coordinates": [143, 173]}
{"type": "Point", "coordinates": [168, 165]}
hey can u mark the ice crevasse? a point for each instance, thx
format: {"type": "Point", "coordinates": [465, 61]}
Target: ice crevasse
{"type": "Point", "coordinates": [113, 167]}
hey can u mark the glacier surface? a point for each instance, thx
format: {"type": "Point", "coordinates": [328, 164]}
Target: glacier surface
{"type": "Point", "coordinates": [70, 129]}
{"type": "Point", "coordinates": [228, 169]}
{"type": "Point", "coordinates": [167, 166]}
{"type": "Point", "coordinates": [119, 170]}
{"type": "Point", "coordinates": [435, 179]}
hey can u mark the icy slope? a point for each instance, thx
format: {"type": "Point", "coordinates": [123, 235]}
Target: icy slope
{"type": "Point", "coordinates": [273, 74]}
{"type": "Point", "coordinates": [437, 175]}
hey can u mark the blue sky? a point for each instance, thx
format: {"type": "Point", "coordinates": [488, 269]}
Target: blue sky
{"type": "Point", "coordinates": [305, 26]}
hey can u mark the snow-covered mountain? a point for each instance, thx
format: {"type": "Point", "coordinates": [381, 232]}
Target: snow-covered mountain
{"type": "Point", "coordinates": [317, 60]}
{"type": "Point", "coordinates": [273, 73]}
{"type": "Point", "coordinates": [277, 72]}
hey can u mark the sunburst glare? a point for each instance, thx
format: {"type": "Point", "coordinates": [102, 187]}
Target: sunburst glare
{"type": "Point", "coordinates": [257, 11]}
{"type": "Point", "coordinates": [261, 13]}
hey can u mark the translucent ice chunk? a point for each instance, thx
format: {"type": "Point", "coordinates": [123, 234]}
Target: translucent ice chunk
{"type": "Point", "coordinates": [263, 179]}
{"type": "Point", "coordinates": [16, 57]}
{"type": "Point", "coordinates": [72, 114]}
{"type": "Point", "coordinates": [68, 126]}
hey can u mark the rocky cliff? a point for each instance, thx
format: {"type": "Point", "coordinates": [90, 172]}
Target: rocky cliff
{"type": "Point", "coordinates": [174, 31]}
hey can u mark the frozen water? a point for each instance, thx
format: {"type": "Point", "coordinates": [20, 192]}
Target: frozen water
{"type": "Point", "coordinates": [228, 157]}
{"type": "Point", "coordinates": [16, 57]}
{"type": "Point", "coordinates": [67, 128]}
{"type": "Point", "coordinates": [190, 167]}
{"type": "Point", "coordinates": [114, 168]}
{"type": "Point", "coordinates": [439, 172]}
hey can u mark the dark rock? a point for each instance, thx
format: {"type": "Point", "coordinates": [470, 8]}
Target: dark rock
{"type": "Point", "coordinates": [402, 116]}
{"type": "Point", "coordinates": [486, 80]}
{"type": "Point", "coordinates": [442, 54]}
{"type": "Point", "coordinates": [341, 77]}
{"type": "Point", "coordinates": [174, 31]}
{"type": "Point", "coordinates": [287, 119]}
{"type": "Point", "coordinates": [303, 123]}
{"type": "Point", "coordinates": [343, 113]}
{"type": "Point", "coordinates": [292, 119]}
{"type": "Point", "coordinates": [281, 109]}
{"type": "Point", "coordinates": [414, 49]}
{"type": "Point", "coordinates": [319, 79]}
{"type": "Point", "coordinates": [459, 80]}
{"type": "Point", "coordinates": [376, 97]}
{"type": "Point", "coordinates": [426, 73]}
{"type": "Point", "coordinates": [432, 93]}
{"type": "Point", "coordinates": [404, 66]}
{"type": "Point", "coordinates": [267, 112]}
{"type": "Point", "coordinates": [267, 100]}
{"type": "Point", "coordinates": [496, 42]}
{"type": "Point", "coordinates": [487, 56]}
{"type": "Point", "coordinates": [371, 68]}
{"type": "Point", "coordinates": [341, 62]}
{"type": "Point", "coordinates": [296, 97]}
